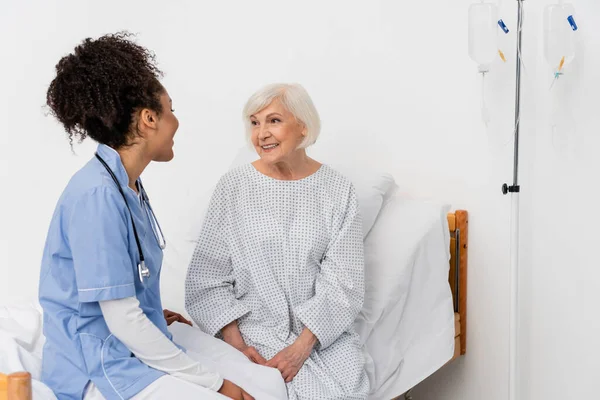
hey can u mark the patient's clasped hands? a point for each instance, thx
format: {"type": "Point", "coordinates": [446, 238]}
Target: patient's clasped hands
{"type": "Point", "coordinates": [288, 361]}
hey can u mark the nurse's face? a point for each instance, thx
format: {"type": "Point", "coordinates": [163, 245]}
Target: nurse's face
{"type": "Point", "coordinates": [160, 138]}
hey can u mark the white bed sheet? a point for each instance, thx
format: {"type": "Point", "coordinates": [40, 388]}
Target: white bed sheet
{"type": "Point", "coordinates": [407, 322]}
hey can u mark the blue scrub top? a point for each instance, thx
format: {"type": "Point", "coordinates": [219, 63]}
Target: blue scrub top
{"type": "Point", "coordinates": [90, 256]}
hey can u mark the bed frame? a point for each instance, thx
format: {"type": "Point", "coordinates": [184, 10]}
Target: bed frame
{"type": "Point", "coordinates": [458, 224]}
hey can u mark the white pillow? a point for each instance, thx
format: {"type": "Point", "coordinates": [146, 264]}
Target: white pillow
{"type": "Point", "coordinates": [371, 186]}
{"type": "Point", "coordinates": [371, 189]}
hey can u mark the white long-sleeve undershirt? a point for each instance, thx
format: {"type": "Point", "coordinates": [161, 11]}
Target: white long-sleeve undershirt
{"type": "Point", "coordinates": [128, 323]}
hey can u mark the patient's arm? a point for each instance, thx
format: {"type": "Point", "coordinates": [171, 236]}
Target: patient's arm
{"type": "Point", "coordinates": [210, 297]}
{"type": "Point", "coordinates": [340, 284]}
{"type": "Point", "coordinates": [128, 323]}
{"type": "Point", "coordinates": [231, 334]}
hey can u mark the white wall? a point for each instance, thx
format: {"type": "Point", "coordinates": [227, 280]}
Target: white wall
{"type": "Point", "coordinates": [561, 309]}
{"type": "Point", "coordinates": [559, 280]}
{"type": "Point", "coordinates": [395, 88]}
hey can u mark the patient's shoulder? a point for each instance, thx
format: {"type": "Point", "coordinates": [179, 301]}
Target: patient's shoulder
{"type": "Point", "coordinates": [337, 186]}
{"type": "Point", "coordinates": [335, 179]}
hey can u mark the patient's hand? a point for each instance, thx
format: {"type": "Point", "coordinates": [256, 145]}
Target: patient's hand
{"type": "Point", "coordinates": [253, 355]}
{"type": "Point", "coordinates": [289, 360]}
{"type": "Point", "coordinates": [231, 335]}
{"type": "Point", "coordinates": [171, 317]}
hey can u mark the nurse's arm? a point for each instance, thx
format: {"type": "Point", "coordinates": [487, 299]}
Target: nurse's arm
{"type": "Point", "coordinates": [128, 323]}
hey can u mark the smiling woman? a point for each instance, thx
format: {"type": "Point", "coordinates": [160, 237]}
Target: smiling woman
{"type": "Point", "coordinates": [282, 121]}
{"type": "Point", "coordinates": [278, 271]}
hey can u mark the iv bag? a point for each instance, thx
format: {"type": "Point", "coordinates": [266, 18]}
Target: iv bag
{"type": "Point", "coordinates": [559, 37]}
{"type": "Point", "coordinates": [483, 33]}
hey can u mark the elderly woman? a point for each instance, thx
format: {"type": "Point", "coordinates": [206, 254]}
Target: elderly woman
{"type": "Point", "coordinates": [278, 269]}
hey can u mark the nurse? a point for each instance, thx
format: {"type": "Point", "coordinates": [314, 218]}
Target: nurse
{"type": "Point", "coordinates": [106, 332]}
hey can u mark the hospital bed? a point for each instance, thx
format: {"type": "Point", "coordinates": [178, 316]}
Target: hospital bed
{"type": "Point", "coordinates": [413, 321]}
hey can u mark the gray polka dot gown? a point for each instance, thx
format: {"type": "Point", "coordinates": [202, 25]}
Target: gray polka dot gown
{"type": "Point", "coordinates": [279, 256]}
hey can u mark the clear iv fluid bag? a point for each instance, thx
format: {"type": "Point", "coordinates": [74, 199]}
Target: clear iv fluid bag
{"type": "Point", "coordinates": [559, 38]}
{"type": "Point", "coordinates": [483, 33]}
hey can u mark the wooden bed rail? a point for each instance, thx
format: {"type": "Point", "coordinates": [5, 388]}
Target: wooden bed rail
{"type": "Point", "coordinates": [15, 386]}
{"type": "Point", "coordinates": [458, 224]}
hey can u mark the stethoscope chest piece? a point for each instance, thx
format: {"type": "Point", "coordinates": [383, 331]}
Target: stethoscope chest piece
{"type": "Point", "coordinates": [143, 271]}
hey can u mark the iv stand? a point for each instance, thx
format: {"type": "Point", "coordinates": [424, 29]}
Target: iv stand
{"type": "Point", "coordinates": [514, 190]}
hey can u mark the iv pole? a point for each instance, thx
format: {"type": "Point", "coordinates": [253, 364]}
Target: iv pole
{"type": "Point", "coordinates": [514, 190]}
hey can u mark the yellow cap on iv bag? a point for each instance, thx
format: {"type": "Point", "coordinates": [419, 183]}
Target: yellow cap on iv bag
{"type": "Point", "coordinates": [562, 63]}
{"type": "Point", "coordinates": [501, 55]}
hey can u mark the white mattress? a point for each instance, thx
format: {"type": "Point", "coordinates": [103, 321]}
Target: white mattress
{"type": "Point", "coordinates": [407, 322]}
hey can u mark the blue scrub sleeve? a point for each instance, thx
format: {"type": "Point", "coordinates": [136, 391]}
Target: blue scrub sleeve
{"type": "Point", "coordinates": [98, 238]}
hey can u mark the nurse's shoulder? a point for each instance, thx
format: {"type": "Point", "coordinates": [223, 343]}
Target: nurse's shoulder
{"type": "Point", "coordinates": [90, 183]}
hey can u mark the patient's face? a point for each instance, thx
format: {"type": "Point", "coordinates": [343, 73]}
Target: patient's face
{"type": "Point", "coordinates": [276, 134]}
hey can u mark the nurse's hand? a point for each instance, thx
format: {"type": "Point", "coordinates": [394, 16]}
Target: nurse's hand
{"type": "Point", "coordinates": [171, 317]}
{"type": "Point", "coordinates": [233, 391]}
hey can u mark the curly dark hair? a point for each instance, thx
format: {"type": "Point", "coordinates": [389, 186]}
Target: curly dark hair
{"type": "Point", "coordinates": [100, 86]}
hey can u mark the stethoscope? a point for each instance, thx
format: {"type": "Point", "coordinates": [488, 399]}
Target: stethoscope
{"type": "Point", "coordinates": [143, 270]}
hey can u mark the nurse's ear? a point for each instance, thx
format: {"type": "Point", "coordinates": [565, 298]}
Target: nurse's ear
{"type": "Point", "coordinates": [148, 120]}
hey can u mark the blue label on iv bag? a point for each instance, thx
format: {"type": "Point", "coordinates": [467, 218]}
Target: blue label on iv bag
{"type": "Point", "coordinates": [503, 26]}
{"type": "Point", "coordinates": [572, 22]}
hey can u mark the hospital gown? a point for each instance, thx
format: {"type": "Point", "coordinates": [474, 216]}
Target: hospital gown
{"type": "Point", "coordinates": [279, 256]}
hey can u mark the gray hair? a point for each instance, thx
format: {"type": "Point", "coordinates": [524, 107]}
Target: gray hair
{"type": "Point", "coordinates": [295, 99]}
